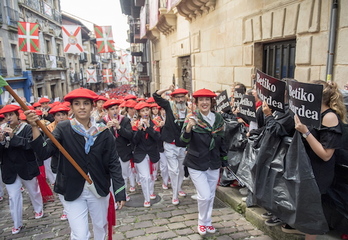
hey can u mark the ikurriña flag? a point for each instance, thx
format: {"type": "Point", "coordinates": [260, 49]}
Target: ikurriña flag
{"type": "Point", "coordinates": [107, 76]}
{"type": "Point", "coordinates": [105, 42]}
{"type": "Point", "coordinates": [28, 37]}
{"type": "Point", "coordinates": [72, 38]}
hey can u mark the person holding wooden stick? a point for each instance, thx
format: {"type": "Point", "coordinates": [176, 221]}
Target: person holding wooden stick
{"type": "Point", "coordinates": [92, 147]}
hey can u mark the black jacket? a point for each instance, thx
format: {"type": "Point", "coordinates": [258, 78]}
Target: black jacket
{"type": "Point", "coordinates": [171, 130]}
{"type": "Point", "coordinates": [19, 159]}
{"type": "Point", "coordinates": [101, 163]}
{"type": "Point", "coordinates": [124, 139]}
{"type": "Point", "coordinates": [199, 157]}
{"type": "Point", "coordinates": [146, 142]}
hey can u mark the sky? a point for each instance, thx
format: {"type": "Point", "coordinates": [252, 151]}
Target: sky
{"type": "Point", "coordinates": [102, 13]}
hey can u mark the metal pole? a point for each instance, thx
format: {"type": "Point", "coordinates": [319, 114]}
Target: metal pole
{"type": "Point", "coordinates": [332, 40]}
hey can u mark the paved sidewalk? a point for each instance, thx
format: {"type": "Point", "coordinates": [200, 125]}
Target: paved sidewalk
{"type": "Point", "coordinates": [161, 221]}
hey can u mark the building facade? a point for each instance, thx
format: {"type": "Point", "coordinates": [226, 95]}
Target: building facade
{"type": "Point", "coordinates": [214, 43]}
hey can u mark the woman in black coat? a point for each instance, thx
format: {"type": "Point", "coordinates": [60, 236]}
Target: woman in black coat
{"type": "Point", "coordinates": [18, 165]}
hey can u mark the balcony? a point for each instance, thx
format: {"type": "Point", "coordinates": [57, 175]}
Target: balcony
{"type": "Point", "coordinates": [61, 62]}
{"type": "Point", "coordinates": [12, 17]}
{"type": "Point", "coordinates": [39, 61]}
{"type": "Point", "coordinates": [137, 49]}
{"type": "Point", "coordinates": [191, 9]}
{"type": "Point", "coordinates": [74, 78]}
{"type": "Point", "coordinates": [83, 57]}
{"type": "Point", "coordinates": [3, 68]}
{"type": "Point", "coordinates": [17, 68]}
{"type": "Point", "coordinates": [43, 8]}
{"type": "Point", "coordinates": [1, 20]}
{"type": "Point", "coordinates": [166, 21]}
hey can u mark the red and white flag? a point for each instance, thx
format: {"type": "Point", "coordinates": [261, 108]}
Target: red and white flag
{"type": "Point", "coordinates": [28, 37]}
{"type": "Point", "coordinates": [91, 75]}
{"type": "Point", "coordinates": [107, 76]}
{"type": "Point", "coordinates": [105, 42]}
{"type": "Point", "coordinates": [72, 38]}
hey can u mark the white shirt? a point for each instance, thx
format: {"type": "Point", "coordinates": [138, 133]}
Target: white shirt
{"type": "Point", "coordinates": [210, 118]}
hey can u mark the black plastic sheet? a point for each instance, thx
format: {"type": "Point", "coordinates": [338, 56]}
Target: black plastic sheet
{"type": "Point", "coordinates": [235, 138]}
{"type": "Point", "coordinates": [285, 184]}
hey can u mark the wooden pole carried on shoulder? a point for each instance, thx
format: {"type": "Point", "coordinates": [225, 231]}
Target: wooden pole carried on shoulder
{"type": "Point", "coordinates": [50, 135]}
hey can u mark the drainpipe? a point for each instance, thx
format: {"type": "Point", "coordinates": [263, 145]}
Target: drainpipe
{"type": "Point", "coordinates": [332, 40]}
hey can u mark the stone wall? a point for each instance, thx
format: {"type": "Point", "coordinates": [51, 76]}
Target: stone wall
{"type": "Point", "coordinates": [225, 44]}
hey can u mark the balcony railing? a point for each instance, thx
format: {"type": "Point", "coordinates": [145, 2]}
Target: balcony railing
{"type": "Point", "coordinates": [3, 68]}
{"type": "Point", "coordinates": [39, 60]}
{"type": "Point", "coordinates": [44, 8]}
{"type": "Point", "coordinates": [17, 68]}
{"type": "Point", "coordinates": [12, 17]}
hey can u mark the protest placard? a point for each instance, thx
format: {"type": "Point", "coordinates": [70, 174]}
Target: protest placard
{"type": "Point", "coordinates": [247, 107]}
{"type": "Point", "coordinates": [222, 103]}
{"type": "Point", "coordinates": [237, 96]}
{"type": "Point", "coordinates": [270, 90]}
{"type": "Point", "coordinates": [305, 101]}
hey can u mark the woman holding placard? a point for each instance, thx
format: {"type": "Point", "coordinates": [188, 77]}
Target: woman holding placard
{"type": "Point", "coordinates": [321, 143]}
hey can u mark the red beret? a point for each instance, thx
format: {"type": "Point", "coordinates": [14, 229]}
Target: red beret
{"type": "Point", "coordinates": [123, 104]}
{"type": "Point", "coordinates": [80, 93]}
{"type": "Point", "coordinates": [150, 100]}
{"type": "Point", "coordinates": [140, 99]}
{"type": "Point", "coordinates": [2, 116]}
{"type": "Point", "coordinates": [59, 108]}
{"type": "Point", "coordinates": [141, 105]}
{"type": "Point", "coordinates": [44, 100]}
{"type": "Point", "coordinates": [111, 102]}
{"type": "Point", "coordinates": [155, 105]}
{"type": "Point", "coordinates": [66, 104]}
{"type": "Point", "coordinates": [179, 91]}
{"type": "Point", "coordinates": [101, 98]}
{"type": "Point", "coordinates": [31, 107]}
{"type": "Point", "coordinates": [22, 117]}
{"type": "Point", "coordinates": [204, 93]}
{"type": "Point", "coordinates": [130, 96]}
{"type": "Point", "coordinates": [55, 103]}
{"type": "Point", "coordinates": [130, 103]}
{"type": "Point", "coordinates": [9, 108]}
{"type": "Point", "coordinates": [37, 104]}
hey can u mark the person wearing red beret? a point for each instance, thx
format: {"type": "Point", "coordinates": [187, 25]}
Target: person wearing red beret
{"type": "Point", "coordinates": [203, 132]}
{"type": "Point", "coordinates": [60, 113]}
{"type": "Point", "coordinates": [130, 112]}
{"type": "Point", "coordinates": [18, 165]}
{"type": "Point", "coordinates": [92, 146]}
{"type": "Point", "coordinates": [146, 154]}
{"type": "Point", "coordinates": [174, 149]}
{"type": "Point", "coordinates": [120, 126]}
{"type": "Point", "coordinates": [45, 108]}
{"type": "Point", "coordinates": [99, 112]}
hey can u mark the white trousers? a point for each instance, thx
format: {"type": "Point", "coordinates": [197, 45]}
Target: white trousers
{"type": "Point", "coordinates": [16, 198]}
{"type": "Point", "coordinates": [127, 173]}
{"type": "Point", "coordinates": [164, 168]}
{"type": "Point", "coordinates": [175, 158]}
{"type": "Point", "coordinates": [147, 181]}
{"type": "Point", "coordinates": [205, 183]}
{"type": "Point", "coordinates": [48, 171]}
{"type": "Point", "coordinates": [77, 211]}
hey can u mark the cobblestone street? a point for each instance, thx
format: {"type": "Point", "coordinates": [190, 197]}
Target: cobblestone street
{"type": "Point", "coordinates": [161, 221]}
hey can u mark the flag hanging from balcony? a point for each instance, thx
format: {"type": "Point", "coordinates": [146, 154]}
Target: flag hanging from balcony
{"type": "Point", "coordinates": [28, 37]}
{"type": "Point", "coordinates": [105, 42]}
{"type": "Point", "coordinates": [72, 38]}
{"type": "Point", "coordinates": [107, 76]}
{"type": "Point", "coordinates": [91, 75]}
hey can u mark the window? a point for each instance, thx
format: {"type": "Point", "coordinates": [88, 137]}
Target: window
{"type": "Point", "coordinates": [279, 59]}
{"type": "Point", "coordinates": [58, 49]}
{"type": "Point", "coordinates": [48, 46]}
